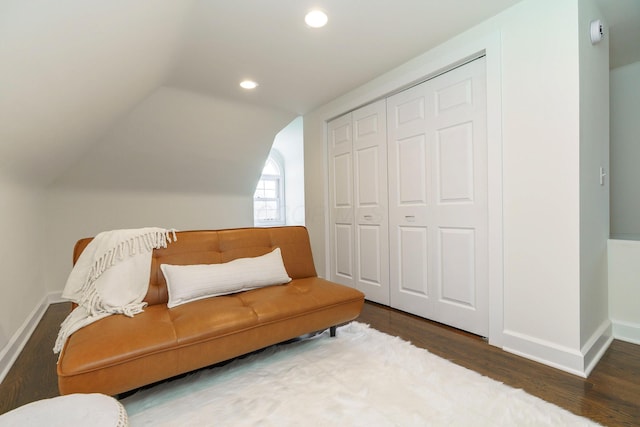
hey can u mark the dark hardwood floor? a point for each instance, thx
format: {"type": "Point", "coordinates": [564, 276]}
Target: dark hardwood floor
{"type": "Point", "coordinates": [33, 375]}
{"type": "Point", "coordinates": [610, 396]}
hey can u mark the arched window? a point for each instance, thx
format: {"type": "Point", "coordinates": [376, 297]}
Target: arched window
{"type": "Point", "coordinates": [268, 200]}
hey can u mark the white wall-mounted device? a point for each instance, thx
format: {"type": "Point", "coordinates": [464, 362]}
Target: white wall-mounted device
{"type": "Point", "coordinates": [597, 31]}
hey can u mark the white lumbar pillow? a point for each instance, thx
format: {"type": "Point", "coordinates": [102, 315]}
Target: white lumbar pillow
{"type": "Point", "coordinates": [187, 283]}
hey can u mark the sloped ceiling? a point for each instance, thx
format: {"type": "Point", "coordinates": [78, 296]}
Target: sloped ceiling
{"type": "Point", "coordinates": [299, 68]}
{"type": "Point", "coordinates": [179, 141]}
{"type": "Point", "coordinates": [70, 69]}
{"type": "Point", "coordinates": [92, 92]}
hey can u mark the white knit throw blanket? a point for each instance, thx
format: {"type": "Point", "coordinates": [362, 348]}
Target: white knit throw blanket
{"type": "Point", "coordinates": [111, 276]}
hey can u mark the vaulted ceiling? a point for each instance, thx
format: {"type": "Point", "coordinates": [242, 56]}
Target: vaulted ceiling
{"type": "Point", "coordinates": [92, 91]}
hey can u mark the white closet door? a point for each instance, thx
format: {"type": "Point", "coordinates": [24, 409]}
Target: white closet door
{"type": "Point", "coordinates": [370, 189]}
{"type": "Point", "coordinates": [438, 218]}
{"type": "Point", "coordinates": [359, 236]}
{"type": "Point", "coordinates": [341, 234]}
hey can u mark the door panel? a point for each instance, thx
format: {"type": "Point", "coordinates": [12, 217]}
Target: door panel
{"type": "Point", "coordinates": [457, 268]}
{"type": "Point", "coordinates": [341, 200]}
{"type": "Point", "coordinates": [368, 177]}
{"type": "Point", "coordinates": [370, 241]}
{"type": "Point", "coordinates": [411, 170]}
{"type": "Point", "coordinates": [438, 221]}
{"type": "Point", "coordinates": [409, 149]}
{"type": "Point", "coordinates": [342, 175]}
{"type": "Point", "coordinates": [455, 157]}
{"type": "Point", "coordinates": [454, 96]}
{"type": "Point", "coordinates": [371, 207]}
{"type": "Point", "coordinates": [343, 251]}
{"type": "Point", "coordinates": [414, 261]}
{"type": "Point", "coordinates": [358, 200]}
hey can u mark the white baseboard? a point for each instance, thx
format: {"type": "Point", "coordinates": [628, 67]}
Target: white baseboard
{"type": "Point", "coordinates": [596, 346]}
{"type": "Point", "coordinates": [55, 297]}
{"type": "Point", "coordinates": [11, 351]}
{"type": "Point", "coordinates": [577, 362]}
{"type": "Point", "coordinates": [626, 331]}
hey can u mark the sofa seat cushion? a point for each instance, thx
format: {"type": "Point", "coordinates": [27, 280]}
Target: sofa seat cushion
{"type": "Point", "coordinates": [113, 340]}
{"type": "Point", "coordinates": [301, 296]}
{"type": "Point", "coordinates": [211, 317]}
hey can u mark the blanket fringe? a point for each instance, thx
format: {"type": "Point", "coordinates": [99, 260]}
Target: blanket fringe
{"type": "Point", "coordinates": [130, 247]}
{"type": "Point", "coordinates": [91, 302]}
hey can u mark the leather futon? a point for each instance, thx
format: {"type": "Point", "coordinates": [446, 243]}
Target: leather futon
{"type": "Point", "coordinates": [119, 353]}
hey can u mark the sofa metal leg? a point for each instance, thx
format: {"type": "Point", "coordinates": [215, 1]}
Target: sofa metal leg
{"type": "Point", "coordinates": [332, 331]}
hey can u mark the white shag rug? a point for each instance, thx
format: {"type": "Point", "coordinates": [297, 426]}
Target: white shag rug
{"type": "Point", "coordinates": [362, 377]}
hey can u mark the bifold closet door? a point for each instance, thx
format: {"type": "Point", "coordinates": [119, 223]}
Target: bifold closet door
{"type": "Point", "coordinates": [341, 234]}
{"type": "Point", "coordinates": [358, 199]}
{"type": "Point", "coordinates": [438, 220]}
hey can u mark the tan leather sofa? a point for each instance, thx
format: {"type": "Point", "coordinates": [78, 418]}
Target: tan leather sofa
{"type": "Point", "coordinates": [119, 353]}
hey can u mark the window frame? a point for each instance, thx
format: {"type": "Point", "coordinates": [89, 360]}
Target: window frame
{"type": "Point", "coordinates": [280, 195]}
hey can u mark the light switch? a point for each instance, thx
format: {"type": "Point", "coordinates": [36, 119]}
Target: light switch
{"type": "Point", "coordinates": [602, 175]}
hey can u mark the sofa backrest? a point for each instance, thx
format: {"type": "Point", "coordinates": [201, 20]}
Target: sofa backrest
{"type": "Point", "coordinates": [218, 246]}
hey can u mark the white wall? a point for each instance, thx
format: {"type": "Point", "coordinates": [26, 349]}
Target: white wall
{"type": "Point", "coordinates": [624, 289]}
{"type": "Point", "coordinates": [76, 213]}
{"type": "Point", "coordinates": [624, 253]}
{"type": "Point", "coordinates": [595, 327]}
{"type": "Point", "coordinates": [540, 84]}
{"type": "Point", "coordinates": [289, 143]}
{"type": "Point", "coordinates": [21, 255]}
{"type": "Point", "coordinates": [625, 152]}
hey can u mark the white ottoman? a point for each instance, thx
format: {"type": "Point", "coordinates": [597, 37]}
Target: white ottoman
{"type": "Point", "coordinates": [72, 410]}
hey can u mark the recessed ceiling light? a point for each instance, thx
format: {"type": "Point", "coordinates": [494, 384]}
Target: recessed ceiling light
{"type": "Point", "coordinates": [316, 19]}
{"type": "Point", "coordinates": [248, 84]}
